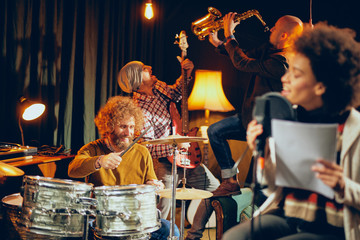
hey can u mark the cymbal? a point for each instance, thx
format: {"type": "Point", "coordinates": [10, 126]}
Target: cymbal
{"type": "Point", "coordinates": [185, 193]}
{"type": "Point", "coordinates": [10, 171]}
{"type": "Point", "coordinates": [175, 139]}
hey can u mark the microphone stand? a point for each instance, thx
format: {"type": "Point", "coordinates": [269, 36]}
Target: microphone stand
{"type": "Point", "coordinates": [173, 193]}
{"type": "Point", "coordinates": [258, 169]}
{"type": "Point", "coordinates": [255, 186]}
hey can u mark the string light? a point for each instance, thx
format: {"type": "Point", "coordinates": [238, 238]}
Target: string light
{"type": "Point", "coordinates": [149, 12]}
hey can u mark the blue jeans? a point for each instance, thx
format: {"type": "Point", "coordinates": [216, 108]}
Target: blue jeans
{"type": "Point", "coordinates": [164, 231]}
{"type": "Point", "coordinates": [219, 133]}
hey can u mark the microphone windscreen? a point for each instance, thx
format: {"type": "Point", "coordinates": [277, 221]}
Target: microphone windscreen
{"type": "Point", "coordinates": [272, 105]}
{"type": "Point", "coordinates": [280, 107]}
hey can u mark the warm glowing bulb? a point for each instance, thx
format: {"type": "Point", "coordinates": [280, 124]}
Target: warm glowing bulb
{"type": "Point", "coordinates": [149, 13]}
{"type": "Point", "coordinates": [34, 111]}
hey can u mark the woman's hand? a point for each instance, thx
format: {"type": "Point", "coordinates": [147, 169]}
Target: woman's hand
{"type": "Point", "coordinates": [331, 174]}
{"type": "Point", "coordinates": [253, 131]}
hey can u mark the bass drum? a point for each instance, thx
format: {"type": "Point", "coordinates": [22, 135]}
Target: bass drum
{"type": "Point", "coordinates": [126, 210]}
{"type": "Point", "coordinates": [55, 207]}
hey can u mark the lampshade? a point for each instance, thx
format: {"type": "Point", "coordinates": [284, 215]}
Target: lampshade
{"type": "Point", "coordinates": [208, 93]}
{"type": "Point", "coordinates": [29, 110]}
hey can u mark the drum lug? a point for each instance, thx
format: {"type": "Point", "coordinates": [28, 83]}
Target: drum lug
{"type": "Point", "coordinates": [89, 212]}
{"type": "Point", "coordinates": [87, 201]}
{"type": "Point", "coordinates": [138, 202]}
{"type": "Point", "coordinates": [158, 214]}
{"type": "Point", "coordinates": [124, 216]}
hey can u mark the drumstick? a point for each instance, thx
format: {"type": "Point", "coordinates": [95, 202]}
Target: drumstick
{"type": "Point", "coordinates": [135, 141]}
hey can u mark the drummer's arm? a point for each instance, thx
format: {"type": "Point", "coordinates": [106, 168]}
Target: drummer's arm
{"type": "Point", "coordinates": [82, 165]}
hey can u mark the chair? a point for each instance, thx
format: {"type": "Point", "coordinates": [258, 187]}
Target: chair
{"type": "Point", "coordinates": [231, 210]}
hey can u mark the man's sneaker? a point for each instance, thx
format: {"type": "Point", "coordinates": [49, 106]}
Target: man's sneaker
{"type": "Point", "coordinates": [226, 189]}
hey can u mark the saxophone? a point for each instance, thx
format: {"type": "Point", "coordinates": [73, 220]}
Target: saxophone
{"type": "Point", "coordinates": [213, 22]}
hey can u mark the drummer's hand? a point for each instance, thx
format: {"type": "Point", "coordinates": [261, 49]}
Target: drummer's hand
{"type": "Point", "coordinates": [253, 131]}
{"type": "Point", "coordinates": [214, 39]}
{"type": "Point", "coordinates": [111, 160]}
{"type": "Point", "coordinates": [158, 184]}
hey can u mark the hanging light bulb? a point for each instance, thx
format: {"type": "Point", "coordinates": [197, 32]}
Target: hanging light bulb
{"type": "Point", "coordinates": [149, 13]}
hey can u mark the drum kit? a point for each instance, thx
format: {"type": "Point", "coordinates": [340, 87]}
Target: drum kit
{"type": "Point", "coordinates": [179, 193]}
{"type": "Point", "coordinates": [51, 208]}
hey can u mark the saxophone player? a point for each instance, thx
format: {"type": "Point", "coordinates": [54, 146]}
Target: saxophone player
{"type": "Point", "coordinates": [266, 63]}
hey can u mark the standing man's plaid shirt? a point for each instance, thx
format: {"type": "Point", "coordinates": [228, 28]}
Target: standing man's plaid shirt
{"type": "Point", "coordinates": [156, 112]}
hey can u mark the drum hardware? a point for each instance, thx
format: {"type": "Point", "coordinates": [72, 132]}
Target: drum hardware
{"type": "Point", "coordinates": [122, 215]}
{"type": "Point", "coordinates": [86, 201]}
{"type": "Point", "coordinates": [179, 193]}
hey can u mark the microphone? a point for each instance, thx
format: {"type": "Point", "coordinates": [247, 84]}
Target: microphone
{"type": "Point", "coordinates": [269, 106]}
{"type": "Point", "coordinates": [261, 115]}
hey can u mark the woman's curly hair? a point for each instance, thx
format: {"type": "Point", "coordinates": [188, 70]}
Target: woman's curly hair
{"type": "Point", "coordinates": [334, 56]}
{"type": "Point", "coordinates": [115, 111]}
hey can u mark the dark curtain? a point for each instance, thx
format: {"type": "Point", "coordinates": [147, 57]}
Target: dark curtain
{"type": "Point", "coordinates": [67, 54]}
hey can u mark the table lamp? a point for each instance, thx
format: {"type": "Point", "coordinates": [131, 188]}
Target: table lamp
{"type": "Point", "coordinates": [208, 94]}
{"type": "Point", "coordinates": [29, 110]}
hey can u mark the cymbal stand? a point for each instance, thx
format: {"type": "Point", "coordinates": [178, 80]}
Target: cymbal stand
{"type": "Point", "coordinates": [185, 162]}
{"type": "Point", "coordinates": [173, 192]}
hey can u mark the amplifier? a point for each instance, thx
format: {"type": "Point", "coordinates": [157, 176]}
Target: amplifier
{"type": "Point", "coordinates": [13, 150]}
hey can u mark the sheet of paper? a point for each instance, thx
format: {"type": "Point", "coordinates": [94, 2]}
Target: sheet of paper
{"type": "Point", "coordinates": [297, 147]}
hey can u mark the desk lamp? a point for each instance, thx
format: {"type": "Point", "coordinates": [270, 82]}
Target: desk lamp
{"type": "Point", "coordinates": [29, 110]}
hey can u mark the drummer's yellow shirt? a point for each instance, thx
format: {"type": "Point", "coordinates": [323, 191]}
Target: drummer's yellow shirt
{"type": "Point", "coordinates": [136, 166]}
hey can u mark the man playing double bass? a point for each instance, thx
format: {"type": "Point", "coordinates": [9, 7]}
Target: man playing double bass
{"type": "Point", "coordinates": [154, 97]}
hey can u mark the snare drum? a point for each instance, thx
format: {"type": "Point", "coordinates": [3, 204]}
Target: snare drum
{"type": "Point", "coordinates": [126, 210]}
{"type": "Point", "coordinates": [11, 206]}
{"type": "Point", "coordinates": [55, 207]}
